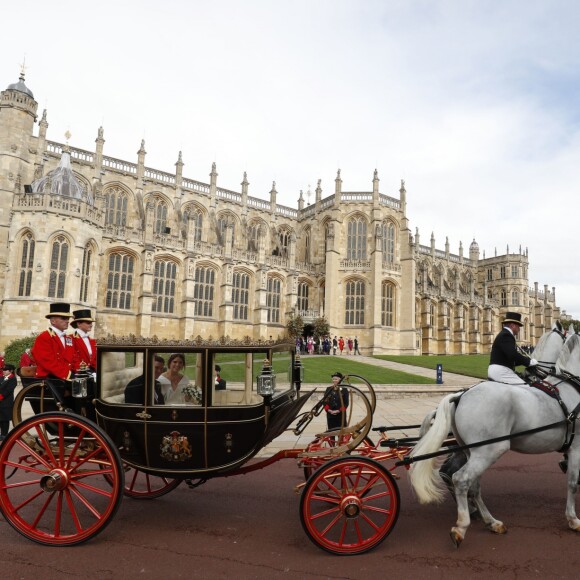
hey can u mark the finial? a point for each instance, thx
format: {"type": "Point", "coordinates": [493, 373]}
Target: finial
{"type": "Point", "coordinates": [68, 135]}
{"type": "Point", "coordinates": [376, 174]}
{"type": "Point", "coordinates": [308, 195]}
{"type": "Point", "coordinates": [179, 158]}
{"type": "Point", "coordinates": [22, 69]}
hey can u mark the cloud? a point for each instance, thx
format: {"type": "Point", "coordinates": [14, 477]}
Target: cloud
{"type": "Point", "coordinates": [473, 103]}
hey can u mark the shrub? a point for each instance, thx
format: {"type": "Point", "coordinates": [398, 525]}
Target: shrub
{"type": "Point", "coordinates": [14, 350]}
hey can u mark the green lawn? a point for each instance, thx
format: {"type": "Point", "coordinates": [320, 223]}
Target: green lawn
{"type": "Point", "coordinates": [473, 365]}
{"type": "Point", "coordinates": [318, 369]}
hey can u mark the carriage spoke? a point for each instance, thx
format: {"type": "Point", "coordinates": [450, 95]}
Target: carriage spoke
{"type": "Point", "coordinates": [364, 509]}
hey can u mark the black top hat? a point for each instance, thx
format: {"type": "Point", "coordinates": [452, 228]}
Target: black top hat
{"type": "Point", "coordinates": [514, 317]}
{"type": "Point", "coordinates": [59, 309]}
{"type": "Point", "coordinates": [81, 316]}
{"type": "Point", "coordinates": [337, 374]}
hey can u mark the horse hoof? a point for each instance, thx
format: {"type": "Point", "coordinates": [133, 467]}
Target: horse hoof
{"type": "Point", "coordinates": [574, 525]}
{"type": "Point", "coordinates": [498, 528]}
{"type": "Point", "coordinates": [456, 537]}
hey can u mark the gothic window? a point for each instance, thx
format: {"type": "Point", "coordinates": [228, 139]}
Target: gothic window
{"type": "Point", "coordinates": [515, 298]}
{"type": "Point", "coordinates": [355, 302]}
{"type": "Point", "coordinates": [58, 267]}
{"type": "Point", "coordinates": [196, 219]}
{"type": "Point", "coordinates": [356, 241]}
{"type": "Point", "coordinates": [253, 237]}
{"type": "Point", "coordinates": [160, 216]}
{"type": "Point", "coordinates": [223, 223]}
{"type": "Point", "coordinates": [388, 304]}
{"type": "Point", "coordinates": [303, 296]}
{"type": "Point", "coordinates": [307, 243]}
{"type": "Point", "coordinates": [165, 274]}
{"type": "Point", "coordinates": [115, 207]}
{"type": "Point", "coordinates": [490, 293]}
{"type": "Point", "coordinates": [515, 271]}
{"type": "Point", "coordinates": [203, 293]}
{"type": "Point", "coordinates": [241, 295]}
{"type": "Point", "coordinates": [502, 272]}
{"type": "Point", "coordinates": [489, 274]}
{"type": "Point", "coordinates": [120, 281]}
{"type": "Point", "coordinates": [85, 273]}
{"type": "Point", "coordinates": [273, 299]}
{"type": "Point", "coordinates": [388, 242]}
{"type": "Point", "coordinates": [26, 264]}
{"type": "Point", "coordinates": [503, 298]}
{"type": "Point", "coordinates": [284, 237]}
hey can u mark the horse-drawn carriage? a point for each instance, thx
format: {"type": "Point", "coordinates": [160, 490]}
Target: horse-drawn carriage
{"type": "Point", "coordinates": [63, 475]}
{"type": "Point", "coordinates": [65, 468]}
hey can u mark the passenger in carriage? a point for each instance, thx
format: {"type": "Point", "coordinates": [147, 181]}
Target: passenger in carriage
{"type": "Point", "coordinates": [135, 389]}
{"type": "Point", "coordinates": [173, 381]}
{"type": "Point", "coordinates": [505, 355]}
{"type": "Point", "coordinates": [54, 352]}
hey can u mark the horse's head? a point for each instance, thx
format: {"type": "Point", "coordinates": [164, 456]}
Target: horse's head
{"type": "Point", "coordinates": [569, 359]}
{"type": "Point", "coordinates": [549, 346]}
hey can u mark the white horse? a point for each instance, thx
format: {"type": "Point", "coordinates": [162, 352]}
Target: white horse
{"type": "Point", "coordinates": [490, 410]}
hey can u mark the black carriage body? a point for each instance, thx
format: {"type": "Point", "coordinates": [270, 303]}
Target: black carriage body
{"type": "Point", "coordinates": [201, 439]}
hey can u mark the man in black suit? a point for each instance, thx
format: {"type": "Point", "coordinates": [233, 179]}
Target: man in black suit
{"type": "Point", "coordinates": [505, 355]}
{"type": "Point", "coordinates": [135, 391]}
{"type": "Point", "coordinates": [7, 386]}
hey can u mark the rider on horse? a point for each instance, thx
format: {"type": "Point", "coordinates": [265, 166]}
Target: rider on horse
{"type": "Point", "coordinates": [505, 355]}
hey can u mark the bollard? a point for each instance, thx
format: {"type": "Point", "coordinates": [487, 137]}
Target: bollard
{"type": "Point", "coordinates": [439, 374]}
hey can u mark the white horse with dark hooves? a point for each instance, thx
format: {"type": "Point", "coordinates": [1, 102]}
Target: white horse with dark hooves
{"type": "Point", "coordinates": [492, 410]}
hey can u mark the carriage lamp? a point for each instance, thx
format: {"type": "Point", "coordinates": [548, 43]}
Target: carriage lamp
{"type": "Point", "coordinates": [266, 381]}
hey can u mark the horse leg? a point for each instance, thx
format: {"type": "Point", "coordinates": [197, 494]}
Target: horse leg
{"type": "Point", "coordinates": [573, 469]}
{"type": "Point", "coordinates": [464, 480]}
{"type": "Point", "coordinates": [494, 525]}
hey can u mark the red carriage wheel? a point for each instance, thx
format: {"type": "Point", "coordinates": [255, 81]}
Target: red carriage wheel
{"type": "Point", "coordinates": [349, 506]}
{"type": "Point", "coordinates": [52, 488]}
{"type": "Point", "coordinates": [141, 485]}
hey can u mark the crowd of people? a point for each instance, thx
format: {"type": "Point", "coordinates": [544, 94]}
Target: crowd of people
{"type": "Point", "coordinates": [327, 345]}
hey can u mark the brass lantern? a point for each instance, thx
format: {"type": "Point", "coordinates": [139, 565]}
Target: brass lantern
{"type": "Point", "coordinates": [266, 380]}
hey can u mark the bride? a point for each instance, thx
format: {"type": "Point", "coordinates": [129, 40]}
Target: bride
{"type": "Point", "coordinates": [172, 381]}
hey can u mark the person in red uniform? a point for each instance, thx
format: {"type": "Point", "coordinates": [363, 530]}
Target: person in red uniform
{"type": "Point", "coordinates": [26, 359]}
{"type": "Point", "coordinates": [54, 352]}
{"type": "Point", "coordinates": [85, 346]}
{"type": "Point", "coordinates": [53, 349]}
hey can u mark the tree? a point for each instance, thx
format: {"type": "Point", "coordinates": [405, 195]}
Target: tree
{"type": "Point", "coordinates": [295, 325]}
{"type": "Point", "coordinates": [14, 350]}
{"type": "Point", "coordinates": [321, 327]}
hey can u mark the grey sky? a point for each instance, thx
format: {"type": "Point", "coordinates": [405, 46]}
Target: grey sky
{"type": "Point", "coordinates": [473, 103]}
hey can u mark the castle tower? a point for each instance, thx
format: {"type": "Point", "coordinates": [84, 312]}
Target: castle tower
{"type": "Point", "coordinates": [17, 117]}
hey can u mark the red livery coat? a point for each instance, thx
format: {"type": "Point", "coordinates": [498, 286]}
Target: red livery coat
{"type": "Point", "coordinates": [52, 357]}
{"type": "Point", "coordinates": [82, 353]}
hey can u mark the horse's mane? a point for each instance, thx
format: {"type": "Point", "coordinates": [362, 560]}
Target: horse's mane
{"type": "Point", "coordinates": [569, 359]}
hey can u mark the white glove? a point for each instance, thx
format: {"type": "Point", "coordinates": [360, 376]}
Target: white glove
{"type": "Point", "coordinates": [94, 375]}
{"type": "Point", "coordinates": [533, 362]}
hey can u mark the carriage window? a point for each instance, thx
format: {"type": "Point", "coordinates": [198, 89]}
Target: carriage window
{"type": "Point", "coordinates": [181, 381]}
{"type": "Point", "coordinates": [117, 370]}
{"type": "Point", "coordinates": [235, 377]}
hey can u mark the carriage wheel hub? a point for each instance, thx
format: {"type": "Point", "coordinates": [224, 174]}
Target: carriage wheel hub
{"type": "Point", "coordinates": [56, 480]}
{"type": "Point", "coordinates": [351, 506]}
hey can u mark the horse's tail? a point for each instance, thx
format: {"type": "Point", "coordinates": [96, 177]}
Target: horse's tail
{"type": "Point", "coordinates": [427, 484]}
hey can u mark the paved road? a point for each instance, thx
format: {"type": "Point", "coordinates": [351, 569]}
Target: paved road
{"type": "Point", "coordinates": [248, 527]}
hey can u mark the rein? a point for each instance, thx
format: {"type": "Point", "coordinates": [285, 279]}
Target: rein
{"type": "Point", "coordinates": [446, 450]}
